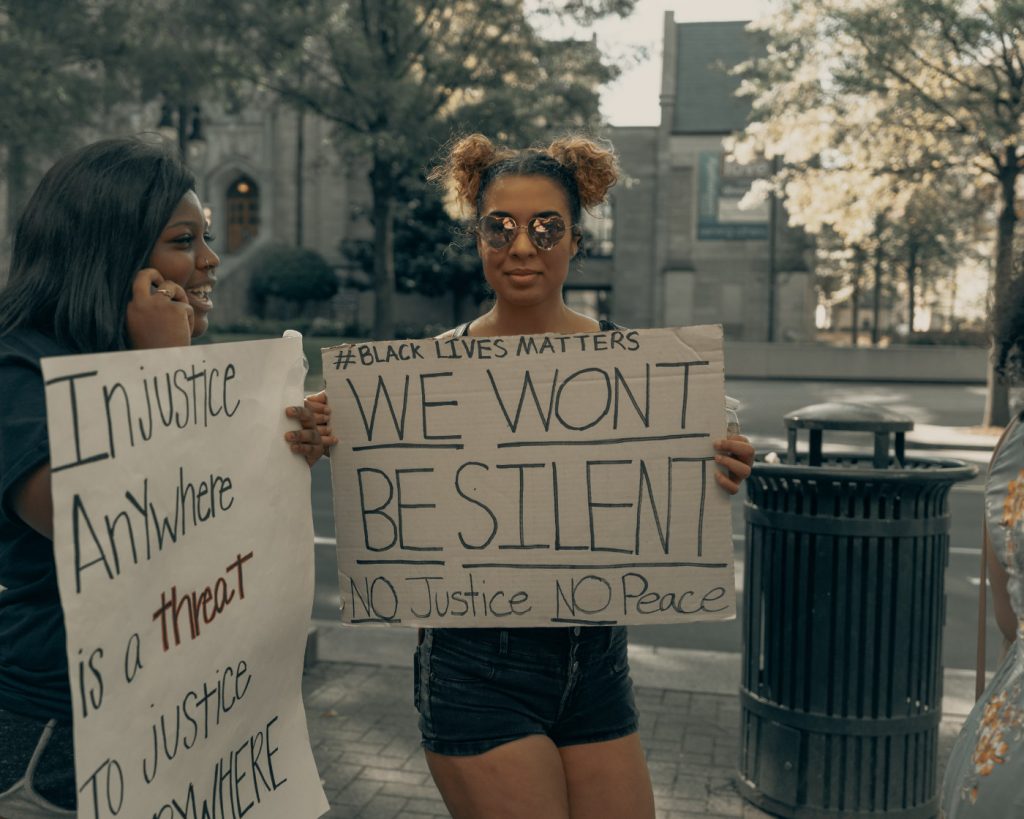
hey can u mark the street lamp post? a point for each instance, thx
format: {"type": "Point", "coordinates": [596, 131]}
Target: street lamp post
{"type": "Point", "coordinates": [183, 125]}
{"type": "Point", "coordinates": [773, 252]}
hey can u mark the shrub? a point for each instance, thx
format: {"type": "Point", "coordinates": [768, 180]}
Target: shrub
{"type": "Point", "coordinates": [294, 274]}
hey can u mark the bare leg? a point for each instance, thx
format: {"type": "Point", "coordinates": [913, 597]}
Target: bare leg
{"type": "Point", "coordinates": [518, 780]}
{"type": "Point", "coordinates": [608, 780]}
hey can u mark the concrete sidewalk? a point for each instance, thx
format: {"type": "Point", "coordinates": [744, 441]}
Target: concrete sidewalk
{"type": "Point", "coordinates": [363, 727]}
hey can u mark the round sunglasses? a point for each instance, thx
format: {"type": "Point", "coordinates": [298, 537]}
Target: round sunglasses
{"type": "Point", "coordinates": [500, 231]}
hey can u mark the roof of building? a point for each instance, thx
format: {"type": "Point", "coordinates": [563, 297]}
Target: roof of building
{"type": "Point", "coordinates": [705, 100]}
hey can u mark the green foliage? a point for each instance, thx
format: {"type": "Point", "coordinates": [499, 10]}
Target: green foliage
{"type": "Point", "coordinates": [66, 64]}
{"type": "Point", "coordinates": [51, 69]}
{"type": "Point", "coordinates": [899, 124]}
{"type": "Point", "coordinates": [397, 79]}
{"type": "Point", "coordinates": [434, 254]}
{"type": "Point", "coordinates": [54, 76]}
{"type": "Point", "coordinates": [294, 274]}
{"type": "Point", "coordinates": [873, 106]}
{"type": "Point", "coordinates": [586, 12]}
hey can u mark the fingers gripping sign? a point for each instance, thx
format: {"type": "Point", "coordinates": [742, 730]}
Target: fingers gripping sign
{"type": "Point", "coordinates": [158, 314]}
{"type": "Point", "coordinates": [735, 455]}
{"type": "Point", "coordinates": [314, 436]}
{"type": "Point", "coordinates": [317, 404]}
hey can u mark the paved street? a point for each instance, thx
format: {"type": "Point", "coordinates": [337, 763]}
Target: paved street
{"type": "Point", "coordinates": [368, 754]}
{"type": "Point", "coordinates": [367, 747]}
{"type": "Point", "coordinates": [363, 727]}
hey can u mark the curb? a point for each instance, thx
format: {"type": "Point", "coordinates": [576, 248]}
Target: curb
{"type": "Point", "coordinates": [911, 444]}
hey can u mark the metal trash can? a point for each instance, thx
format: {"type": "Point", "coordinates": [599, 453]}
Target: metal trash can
{"type": "Point", "coordinates": [844, 604]}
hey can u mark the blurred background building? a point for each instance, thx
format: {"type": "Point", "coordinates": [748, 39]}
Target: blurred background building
{"type": "Point", "coordinates": [671, 247]}
{"type": "Point", "coordinates": [674, 247]}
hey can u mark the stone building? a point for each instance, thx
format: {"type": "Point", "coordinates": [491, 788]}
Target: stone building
{"type": "Point", "coordinates": [671, 248]}
{"type": "Point", "coordinates": [268, 174]}
{"type": "Point", "coordinates": [678, 249]}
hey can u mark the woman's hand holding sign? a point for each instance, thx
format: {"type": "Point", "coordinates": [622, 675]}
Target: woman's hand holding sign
{"type": "Point", "coordinates": [315, 434]}
{"type": "Point", "coordinates": [736, 456]}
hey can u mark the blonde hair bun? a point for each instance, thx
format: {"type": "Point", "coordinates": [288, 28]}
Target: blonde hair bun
{"type": "Point", "coordinates": [595, 167]}
{"type": "Point", "coordinates": [471, 161]}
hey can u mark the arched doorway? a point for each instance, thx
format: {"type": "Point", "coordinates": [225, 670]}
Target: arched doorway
{"type": "Point", "coordinates": [243, 217]}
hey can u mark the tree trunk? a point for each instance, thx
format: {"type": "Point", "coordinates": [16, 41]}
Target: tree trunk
{"type": "Point", "coordinates": [954, 322]}
{"type": "Point", "coordinates": [858, 272]}
{"type": "Point", "coordinates": [876, 306]}
{"type": "Point", "coordinates": [997, 396]}
{"type": "Point", "coordinates": [382, 185]}
{"type": "Point", "coordinates": [300, 164]}
{"type": "Point", "coordinates": [183, 112]}
{"type": "Point", "coordinates": [17, 173]}
{"type": "Point", "coordinates": [911, 287]}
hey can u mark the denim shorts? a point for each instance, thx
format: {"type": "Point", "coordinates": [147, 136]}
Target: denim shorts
{"type": "Point", "coordinates": [478, 688]}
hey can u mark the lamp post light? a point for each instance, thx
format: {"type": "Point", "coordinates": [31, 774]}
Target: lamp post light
{"type": "Point", "coordinates": [183, 126]}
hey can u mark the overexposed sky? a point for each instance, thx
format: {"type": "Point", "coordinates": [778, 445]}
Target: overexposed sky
{"type": "Point", "coordinates": [633, 98]}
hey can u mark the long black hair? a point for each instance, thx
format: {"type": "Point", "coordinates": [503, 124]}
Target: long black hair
{"type": "Point", "coordinates": [88, 229]}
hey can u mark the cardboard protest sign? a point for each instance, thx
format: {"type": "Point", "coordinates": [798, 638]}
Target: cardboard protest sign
{"type": "Point", "coordinates": [182, 537]}
{"type": "Point", "coordinates": [531, 480]}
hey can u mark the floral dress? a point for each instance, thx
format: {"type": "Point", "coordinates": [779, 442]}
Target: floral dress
{"type": "Point", "coordinates": [985, 774]}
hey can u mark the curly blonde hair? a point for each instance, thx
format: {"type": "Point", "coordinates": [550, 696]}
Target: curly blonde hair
{"type": "Point", "coordinates": [584, 168]}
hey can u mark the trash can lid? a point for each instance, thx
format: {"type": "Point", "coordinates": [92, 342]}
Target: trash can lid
{"type": "Point", "coordinates": [841, 415]}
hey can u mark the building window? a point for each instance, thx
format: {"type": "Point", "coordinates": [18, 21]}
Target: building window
{"type": "Point", "coordinates": [243, 213]}
{"type": "Point", "coordinates": [599, 230]}
{"type": "Point", "coordinates": [594, 302]}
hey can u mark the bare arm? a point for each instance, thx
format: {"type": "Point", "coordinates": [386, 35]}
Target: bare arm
{"type": "Point", "coordinates": [32, 501]}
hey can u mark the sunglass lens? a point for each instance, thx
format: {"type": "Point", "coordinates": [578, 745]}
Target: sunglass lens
{"type": "Point", "coordinates": [497, 231]}
{"type": "Point", "coordinates": [546, 231]}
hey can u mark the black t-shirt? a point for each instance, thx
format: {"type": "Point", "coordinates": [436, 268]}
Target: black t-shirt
{"type": "Point", "coordinates": [33, 659]}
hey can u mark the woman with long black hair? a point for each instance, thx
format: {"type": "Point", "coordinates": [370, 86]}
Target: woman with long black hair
{"type": "Point", "coordinates": [111, 253]}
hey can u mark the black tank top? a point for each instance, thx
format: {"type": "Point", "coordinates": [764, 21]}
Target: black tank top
{"type": "Point", "coordinates": [606, 325]}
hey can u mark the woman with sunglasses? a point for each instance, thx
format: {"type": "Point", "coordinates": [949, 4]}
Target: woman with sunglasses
{"type": "Point", "coordinates": [535, 722]}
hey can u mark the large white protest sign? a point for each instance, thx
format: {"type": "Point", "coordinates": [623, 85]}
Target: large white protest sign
{"type": "Point", "coordinates": [531, 480]}
{"type": "Point", "coordinates": [183, 542]}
